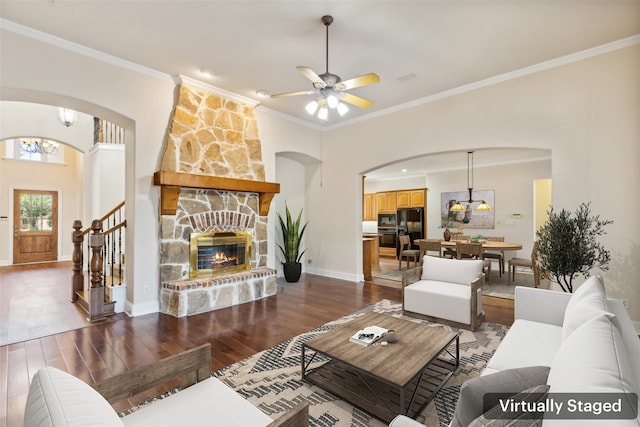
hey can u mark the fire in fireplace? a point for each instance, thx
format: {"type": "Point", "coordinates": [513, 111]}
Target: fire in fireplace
{"type": "Point", "coordinates": [212, 254]}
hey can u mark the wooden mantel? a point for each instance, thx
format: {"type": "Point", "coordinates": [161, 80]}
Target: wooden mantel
{"type": "Point", "coordinates": [171, 182]}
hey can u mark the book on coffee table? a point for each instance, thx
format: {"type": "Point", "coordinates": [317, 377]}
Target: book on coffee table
{"type": "Point", "coordinates": [368, 335]}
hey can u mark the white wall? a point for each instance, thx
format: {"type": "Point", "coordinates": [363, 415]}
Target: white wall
{"type": "Point", "coordinates": [107, 171]}
{"type": "Point", "coordinates": [291, 176]}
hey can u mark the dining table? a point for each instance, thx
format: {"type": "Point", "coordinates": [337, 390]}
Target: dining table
{"type": "Point", "coordinates": [490, 245]}
{"type": "Point", "coordinates": [487, 245]}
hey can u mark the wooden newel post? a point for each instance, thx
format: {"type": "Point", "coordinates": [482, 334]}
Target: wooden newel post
{"type": "Point", "coordinates": [77, 280]}
{"type": "Point", "coordinates": [96, 289]}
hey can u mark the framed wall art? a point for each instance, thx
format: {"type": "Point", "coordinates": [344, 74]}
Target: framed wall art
{"type": "Point", "coordinates": [470, 218]}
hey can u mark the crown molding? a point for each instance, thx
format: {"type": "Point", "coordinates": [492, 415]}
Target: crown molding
{"type": "Point", "coordinates": [180, 79]}
{"type": "Point", "coordinates": [79, 49]}
{"type": "Point", "coordinates": [543, 66]}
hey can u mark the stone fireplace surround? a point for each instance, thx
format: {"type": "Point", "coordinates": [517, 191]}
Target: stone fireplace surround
{"type": "Point", "coordinates": [211, 180]}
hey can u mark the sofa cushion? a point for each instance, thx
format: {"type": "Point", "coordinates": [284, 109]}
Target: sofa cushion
{"type": "Point", "coordinates": [444, 300]}
{"type": "Point", "coordinates": [451, 270]}
{"type": "Point", "coordinates": [587, 302]}
{"type": "Point", "coordinates": [206, 403]}
{"type": "Point", "coordinates": [593, 359]}
{"type": "Point", "coordinates": [510, 381]}
{"type": "Point", "coordinates": [496, 417]}
{"type": "Point", "coordinates": [59, 399]}
{"type": "Point", "coordinates": [526, 344]}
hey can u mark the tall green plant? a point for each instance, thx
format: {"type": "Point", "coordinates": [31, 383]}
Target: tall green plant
{"type": "Point", "coordinates": [568, 246]}
{"type": "Point", "coordinates": [291, 237]}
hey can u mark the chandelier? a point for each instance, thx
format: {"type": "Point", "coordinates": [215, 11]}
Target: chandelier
{"type": "Point", "coordinates": [37, 146]}
{"type": "Point", "coordinates": [483, 206]}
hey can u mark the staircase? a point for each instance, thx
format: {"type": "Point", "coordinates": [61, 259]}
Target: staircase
{"type": "Point", "coordinates": [97, 286]}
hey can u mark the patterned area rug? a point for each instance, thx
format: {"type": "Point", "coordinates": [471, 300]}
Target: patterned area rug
{"type": "Point", "coordinates": [271, 379]}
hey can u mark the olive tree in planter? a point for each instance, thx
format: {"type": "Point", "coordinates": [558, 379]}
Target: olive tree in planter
{"type": "Point", "coordinates": [290, 248]}
{"type": "Point", "coordinates": [568, 246]}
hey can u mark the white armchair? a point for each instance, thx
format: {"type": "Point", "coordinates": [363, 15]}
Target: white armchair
{"type": "Point", "coordinates": [446, 291]}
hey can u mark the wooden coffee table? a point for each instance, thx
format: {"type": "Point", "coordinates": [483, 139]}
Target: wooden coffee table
{"type": "Point", "coordinates": [401, 378]}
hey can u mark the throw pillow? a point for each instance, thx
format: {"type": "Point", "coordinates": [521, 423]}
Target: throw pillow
{"type": "Point", "coordinates": [593, 359]}
{"type": "Point", "coordinates": [586, 303]}
{"type": "Point", "coordinates": [510, 381]}
{"type": "Point", "coordinates": [496, 417]}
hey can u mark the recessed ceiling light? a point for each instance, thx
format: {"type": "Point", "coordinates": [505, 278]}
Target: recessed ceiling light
{"type": "Point", "coordinates": [207, 72]}
{"type": "Point", "coordinates": [404, 170]}
{"type": "Point", "coordinates": [262, 93]}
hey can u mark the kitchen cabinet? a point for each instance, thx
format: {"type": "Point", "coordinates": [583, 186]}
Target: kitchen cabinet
{"type": "Point", "coordinates": [410, 199]}
{"type": "Point", "coordinates": [386, 202]}
{"type": "Point", "coordinates": [369, 207]}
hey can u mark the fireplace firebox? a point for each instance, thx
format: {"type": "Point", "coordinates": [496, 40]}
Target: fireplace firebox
{"type": "Point", "coordinates": [213, 254]}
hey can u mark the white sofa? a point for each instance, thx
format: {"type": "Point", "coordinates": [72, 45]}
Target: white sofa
{"type": "Point", "coordinates": [58, 399]}
{"type": "Point", "coordinates": [446, 291]}
{"type": "Point", "coordinates": [588, 342]}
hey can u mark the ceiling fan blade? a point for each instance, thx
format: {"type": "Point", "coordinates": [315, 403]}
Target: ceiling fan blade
{"type": "Point", "coordinates": [311, 75]}
{"type": "Point", "coordinates": [304, 92]}
{"type": "Point", "coordinates": [364, 80]}
{"type": "Point", "coordinates": [356, 100]}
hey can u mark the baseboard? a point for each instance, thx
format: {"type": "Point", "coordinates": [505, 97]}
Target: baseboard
{"type": "Point", "coordinates": [134, 310]}
{"type": "Point", "coordinates": [335, 274]}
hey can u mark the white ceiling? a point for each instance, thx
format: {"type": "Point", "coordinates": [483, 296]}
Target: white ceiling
{"type": "Point", "coordinates": [256, 45]}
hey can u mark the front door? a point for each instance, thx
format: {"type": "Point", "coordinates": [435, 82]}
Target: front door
{"type": "Point", "coordinates": [35, 226]}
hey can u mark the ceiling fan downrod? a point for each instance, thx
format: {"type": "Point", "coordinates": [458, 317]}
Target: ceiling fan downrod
{"type": "Point", "coordinates": [327, 20]}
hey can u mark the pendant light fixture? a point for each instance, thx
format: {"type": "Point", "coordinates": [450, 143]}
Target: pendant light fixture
{"type": "Point", "coordinates": [67, 117]}
{"type": "Point", "coordinates": [483, 206]}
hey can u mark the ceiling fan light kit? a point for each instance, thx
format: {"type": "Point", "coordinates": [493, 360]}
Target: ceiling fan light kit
{"type": "Point", "coordinates": [331, 89]}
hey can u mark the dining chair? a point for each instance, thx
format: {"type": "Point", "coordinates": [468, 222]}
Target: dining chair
{"type": "Point", "coordinates": [430, 245]}
{"type": "Point", "coordinates": [496, 255]}
{"type": "Point", "coordinates": [407, 252]}
{"type": "Point", "coordinates": [454, 238]}
{"type": "Point", "coordinates": [531, 263]}
{"type": "Point", "coordinates": [466, 250]}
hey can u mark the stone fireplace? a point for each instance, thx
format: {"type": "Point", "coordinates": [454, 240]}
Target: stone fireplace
{"type": "Point", "coordinates": [213, 198]}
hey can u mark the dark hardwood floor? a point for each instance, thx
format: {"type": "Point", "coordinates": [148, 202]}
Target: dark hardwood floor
{"type": "Point", "coordinates": [99, 351]}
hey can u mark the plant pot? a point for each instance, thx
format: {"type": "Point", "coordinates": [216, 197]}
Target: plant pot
{"type": "Point", "coordinates": [292, 272]}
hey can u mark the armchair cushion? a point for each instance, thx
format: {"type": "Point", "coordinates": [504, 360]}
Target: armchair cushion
{"type": "Point", "coordinates": [59, 399]}
{"type": "Point", "coordinates": [451, 270]}
{"type": "Point", "coordinates": [441, 299]}
{"type": "Point", "coordinates": [207, 401]}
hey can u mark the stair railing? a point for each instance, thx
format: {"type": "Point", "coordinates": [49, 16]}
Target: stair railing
{"type": "Point", "coordinates": [104, 265]}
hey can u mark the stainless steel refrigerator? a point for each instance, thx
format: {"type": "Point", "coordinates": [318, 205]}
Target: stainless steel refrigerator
{"type": "Point", "coordinates": [410, 221]}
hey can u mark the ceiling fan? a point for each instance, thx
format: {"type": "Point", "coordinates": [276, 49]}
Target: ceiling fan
{"type": "Point", "coordinates": [331, 89]}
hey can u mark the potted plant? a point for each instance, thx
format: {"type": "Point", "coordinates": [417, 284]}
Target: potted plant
{"type": "Point", "coordinates": [567, 245]}
{"type": "Point", "coordinates": [291, 239]}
